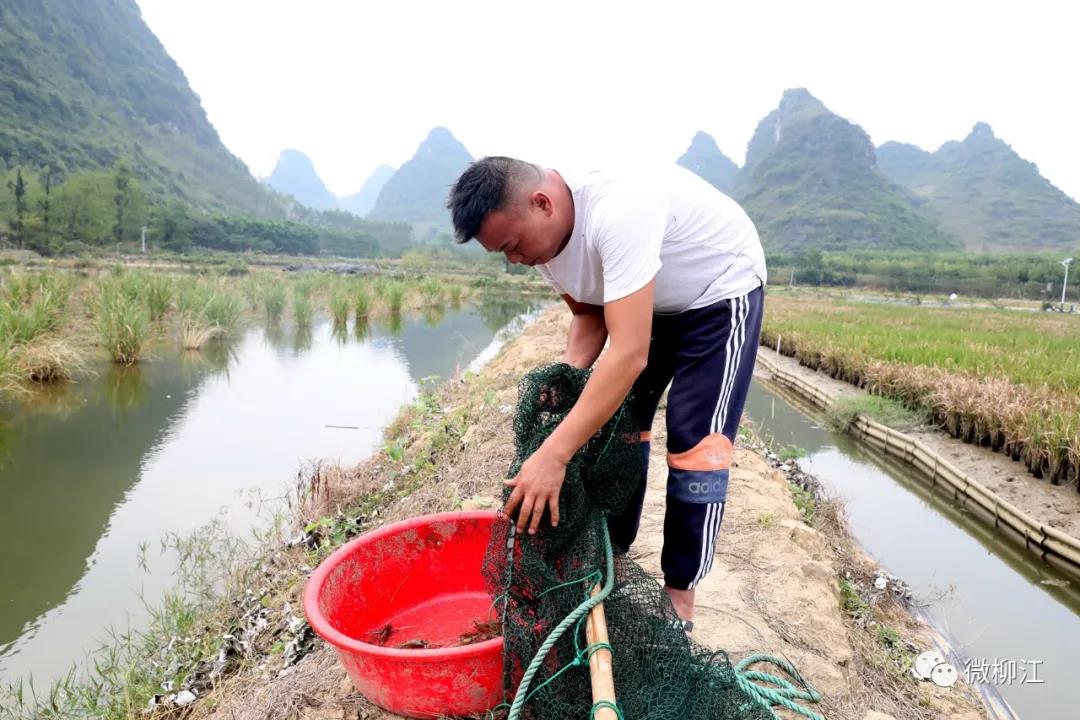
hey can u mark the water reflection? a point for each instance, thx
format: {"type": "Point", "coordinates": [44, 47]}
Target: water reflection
{"type": "Point", "coordinates": [497, 312]}
{"type": "Point", "coordinates": [274, 335]}
{"type": "Point", "coordinates": [339, 331]}
{"type": "Point", "coordinates": [125, 388]}
{"type": "Point", "coordinates": [64, 476]}
{"type": "Point", "coordinates": [168, 445]}
{"type": "Point", "coordinates": [361, 329]}
{"type": "Point", "coordinates": [393, 323]}
{"type": "Point", "coordinates": [57, 400]}
{"type": "Point", "coordinates": [301, 339]}
{"type": "Point", "coordinates": [216, 357]}
{"type": "Point", "coordinates": [434, 315]}
{"type": "Point", "coordinates": [7, 442]}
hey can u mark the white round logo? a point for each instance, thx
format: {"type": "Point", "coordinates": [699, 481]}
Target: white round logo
{"type": "Point", "coordinates": [925, 663]}
{"type": "Point", "coordinates": [943, 674]}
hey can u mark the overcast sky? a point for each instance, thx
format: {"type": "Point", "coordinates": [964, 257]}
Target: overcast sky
{"type": "Point", "coordinates": [583, 84]}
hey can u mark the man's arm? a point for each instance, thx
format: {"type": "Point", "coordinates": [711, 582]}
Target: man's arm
{"type": "Point", "coordinates": [588, 333]}
{"type": "Point", "coordinates": [537, 485]}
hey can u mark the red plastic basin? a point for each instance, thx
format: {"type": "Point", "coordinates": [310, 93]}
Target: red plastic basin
{"type": "Point", "coordinates": [418, 580]}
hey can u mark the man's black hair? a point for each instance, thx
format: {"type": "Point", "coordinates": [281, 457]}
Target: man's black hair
{"type": "Point", "coordinates": [486, 186]}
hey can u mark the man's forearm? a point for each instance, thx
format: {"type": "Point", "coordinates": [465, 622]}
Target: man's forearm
{"type": "Point", "coordinates": [606, 389]}
{"type": "Point", "coordinates": [588, 333]}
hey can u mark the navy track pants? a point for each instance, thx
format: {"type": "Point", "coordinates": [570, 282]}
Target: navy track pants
{"type": "Point", "coordinates": [707, 355]}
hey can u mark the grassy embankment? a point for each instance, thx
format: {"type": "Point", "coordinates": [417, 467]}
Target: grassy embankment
{"type": "Point", "coordinates": [56, 324]}
{"type": "Point", "coordinates": [1003, 379]}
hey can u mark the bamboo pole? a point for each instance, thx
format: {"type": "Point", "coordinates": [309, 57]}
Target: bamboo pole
{"type": "Point", "coordinates": [600, 673]}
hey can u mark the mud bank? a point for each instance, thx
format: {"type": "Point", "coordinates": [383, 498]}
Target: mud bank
{"type": "Point", "coordinates": [786, 580]}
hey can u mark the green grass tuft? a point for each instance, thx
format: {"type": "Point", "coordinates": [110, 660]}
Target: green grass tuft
{"type": "Point", "coordinates": [302, 307]}
{"type": "Point", "coordinates": [362, 302]}
{"type": "Point", "coordinates": [274, 301]}
{"type": "Point", "coordinates": [223, 309]}
{"type": "Point", "coordinates": [882, 409]}
{"type": "Point", "coordinates": [339, 306]}
{"type": "Point", "coordinates": [158, 292]}
{"type": "Point", "coordinates": [123, 326]}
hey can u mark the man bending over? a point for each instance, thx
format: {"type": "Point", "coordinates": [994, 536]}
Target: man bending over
{"type": "Point", "coordinates": [672, 271]}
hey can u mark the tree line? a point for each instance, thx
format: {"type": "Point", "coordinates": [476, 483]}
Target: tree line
{"type": "Point", "coordinates": [51, 214]}
{"type": "Point", "coordinates": [1033, 275]}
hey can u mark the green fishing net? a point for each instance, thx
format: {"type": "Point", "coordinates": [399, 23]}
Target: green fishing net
{"type": "Point", "coordinates": [538, 582]}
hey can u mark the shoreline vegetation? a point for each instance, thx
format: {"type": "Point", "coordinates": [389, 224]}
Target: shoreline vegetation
{"type": "Point", "coordinates": [57, 325]}
{"type": "Point", "coordinates": [1000, 379]}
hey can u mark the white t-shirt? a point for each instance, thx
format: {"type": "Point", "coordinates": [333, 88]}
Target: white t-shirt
{"type": "Point", "coordinates": [669, 224]}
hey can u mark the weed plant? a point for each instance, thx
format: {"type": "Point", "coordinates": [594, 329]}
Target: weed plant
{"type": "Point", "coordinates": [361, 301]}
{"type": "Point", "coordinates": [158, 291]}
{"type": "Point", "coordinates": [223, 310]}
{"type": "Point", "coordinates": [302, 307]}
{"type": "Point", "coordinates": [274, 297]}
{"type": "Point", "coordinates": [431, 291]}
{"type": "Point", "coordinates": [339, 305]}
{"type": "Point", "coordinates": [394, 294]}
{"type": "Point", "coordinates": [195, 332]}
{"type": "Point", "coordinates": [23, 320]}
{"type": "Point", "coordinates": [123, 326]}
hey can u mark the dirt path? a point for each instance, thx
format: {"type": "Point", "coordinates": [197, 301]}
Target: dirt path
{"type": "Point", "coordinates": [1056, 505]}
{"type": "Point", "coordinates": [774, 586]}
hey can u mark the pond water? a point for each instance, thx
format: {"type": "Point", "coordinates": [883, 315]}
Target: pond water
{"type": "Point", "coordinates": [96, 474]}
{"type": "Point", "coordinates": [996, 602]}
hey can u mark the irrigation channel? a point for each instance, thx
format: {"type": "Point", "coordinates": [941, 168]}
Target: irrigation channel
{"type": "Point", "coordinates": [994, 601]}
{"type": "Point", "coordinates": [94, 472]}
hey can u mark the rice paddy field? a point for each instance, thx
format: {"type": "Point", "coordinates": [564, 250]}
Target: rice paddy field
{"type": "Point", "coordinates": [1006, 379]}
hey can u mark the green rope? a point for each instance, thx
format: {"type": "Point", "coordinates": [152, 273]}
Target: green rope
{"type": "Point", "coordinates": [604, 703]}
{"type": "Point", "coordinates": [595, 576]}
{"type": "Point", "coordinates": [582, 655]}
{"type": "Point", "coordinates": [597, 646]}
{"type": "Point", "coordinates": [578, 614]}
{"type": "Point", "coordinates": [784, 694]}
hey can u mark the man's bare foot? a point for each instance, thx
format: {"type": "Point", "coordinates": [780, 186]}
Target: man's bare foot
{"type": "Point", "coordinates": [683, 600]}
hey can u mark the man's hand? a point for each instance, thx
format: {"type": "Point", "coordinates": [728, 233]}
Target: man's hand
{"type": "Point", "coordinates": [536, 486]}
{"type": "Point", "coordinates": [540, 479]}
